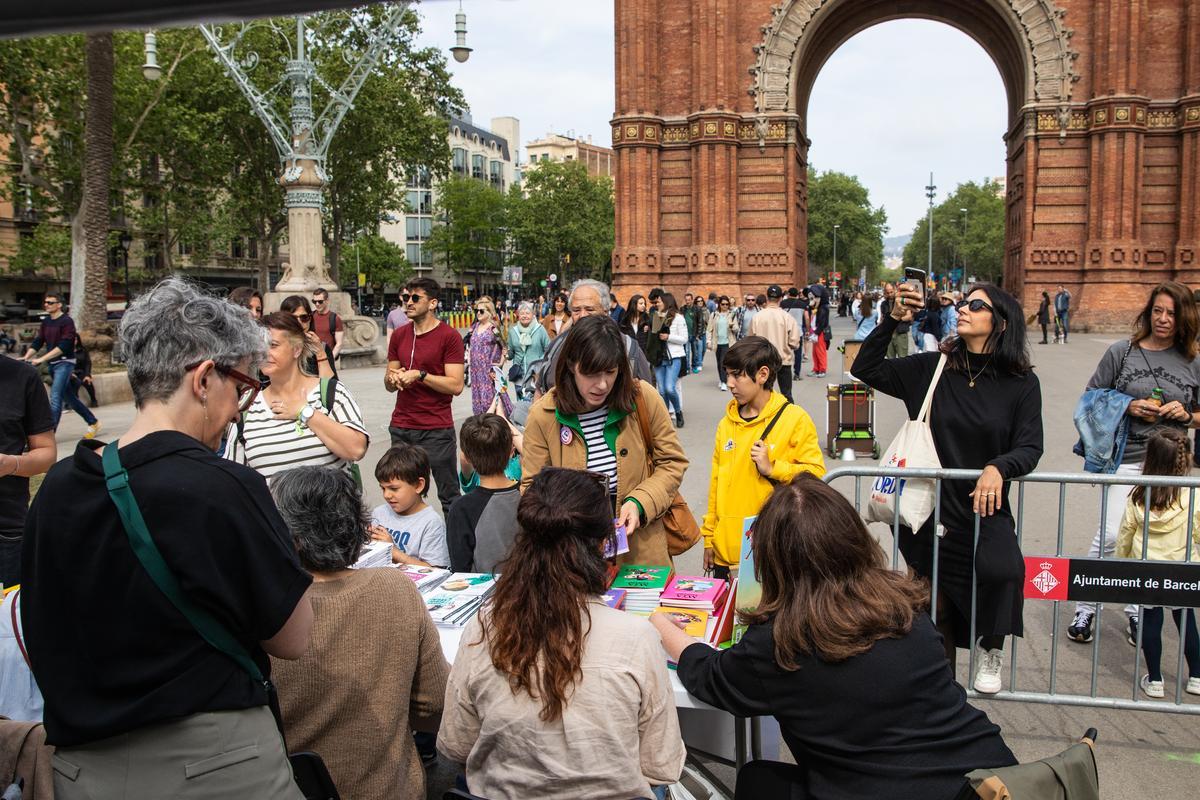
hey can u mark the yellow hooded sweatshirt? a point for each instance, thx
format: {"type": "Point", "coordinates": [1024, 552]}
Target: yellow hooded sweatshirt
{"type": "Point", "coordinates": [1168, 532]}
{"type": "Point", "coordinates": [736, 490]}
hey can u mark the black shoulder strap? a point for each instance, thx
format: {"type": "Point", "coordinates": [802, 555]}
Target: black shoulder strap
{"type": "Point", "coordinates": [771, 425]}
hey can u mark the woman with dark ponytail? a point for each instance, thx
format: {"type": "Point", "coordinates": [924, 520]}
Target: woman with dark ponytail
{"type": "Point", "coordinates": [553, 693]}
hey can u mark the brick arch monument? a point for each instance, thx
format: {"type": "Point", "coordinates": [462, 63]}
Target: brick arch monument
{"type": "Point", "coordinates": [1103, 139]}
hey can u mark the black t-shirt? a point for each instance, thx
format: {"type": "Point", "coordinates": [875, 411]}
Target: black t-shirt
{"type": "Point", "coordinates": [890, 722]}
{"type": "Point", "coordinates": [24, 412]}
{"type": "Point", "coordinates": [110, 652]}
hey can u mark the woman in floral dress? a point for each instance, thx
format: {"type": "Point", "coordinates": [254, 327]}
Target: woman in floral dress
{"type": "Point", "coordinates": [487, 351]}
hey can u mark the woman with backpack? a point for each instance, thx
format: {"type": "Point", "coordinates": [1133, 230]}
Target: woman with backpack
{"type": "Point", "coordinates": [298, 419]}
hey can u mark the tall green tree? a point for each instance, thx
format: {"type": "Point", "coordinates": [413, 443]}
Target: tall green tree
{"type": "Point", "coordinates": [381, 261]}
{"type": "Point", "coordinates": [562, 222]}
{"type": "Point", "coordinates": [835, 198]}
{"type": "Point", "coordinates": [972, 240]}
{"type": "Point", "coordinates": [471, 227]}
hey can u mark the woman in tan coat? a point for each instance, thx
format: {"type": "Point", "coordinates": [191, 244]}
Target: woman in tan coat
{"type": "Point", "coordinates": [590, 421]}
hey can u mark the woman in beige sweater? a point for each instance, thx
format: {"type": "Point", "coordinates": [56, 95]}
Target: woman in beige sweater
{"type": "Point", "coordinates": [374, 670]}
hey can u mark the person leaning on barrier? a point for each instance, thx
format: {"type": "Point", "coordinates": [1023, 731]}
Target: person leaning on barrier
{"type": "Point", "coordinates": [137, 702]}
{"type": "Point", "coordinates": [986, 415]}
{"type": "Point", "coordinates": [1159, 367]}
{"type": "Point", "coordinates": [387, 666]}
{"type": "Point", "coordinates": [843, 654]}
{"type": "Point", "coordinates": [553, 694]}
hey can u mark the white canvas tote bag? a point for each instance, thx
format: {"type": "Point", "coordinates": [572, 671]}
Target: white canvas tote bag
{"type": "Point", "coordinates": [912, 448]}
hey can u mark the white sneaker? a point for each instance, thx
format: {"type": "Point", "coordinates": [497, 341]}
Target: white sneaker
{"type": "Point", "coordinates": [722, 387]}
{"type": "Point", "coordinates": [987, 678]}
{"type": "Point", "coordinates": [1193, 686]}
{"type": "Point", "coordinates": [92, 430]}
{"type": "Point", "coordinates": [1153, 688]}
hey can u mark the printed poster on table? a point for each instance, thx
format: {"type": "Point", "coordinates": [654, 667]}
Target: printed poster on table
{"type": "Point", "coordinates": [749, 591]}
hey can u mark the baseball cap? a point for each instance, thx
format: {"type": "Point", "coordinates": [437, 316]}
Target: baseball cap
{"type": "Point", "coordinates": [774, 291]}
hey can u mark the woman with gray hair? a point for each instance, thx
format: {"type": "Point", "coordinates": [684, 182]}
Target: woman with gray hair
{"type": "Point", "coordinates": [299, 419]}
{"type": "Point", "coordinates": [138, 702]}
{"type": "Point", "coordinates": [387, 666]}
{"type": "Point", "coordinates": [527, 342]}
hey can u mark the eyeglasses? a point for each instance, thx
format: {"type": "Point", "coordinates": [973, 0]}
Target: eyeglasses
{"type": "Point", "coordinates": [52, 302]}
{"type": "Point", "coordinates": [318, 302]}
{"type": "Point", "coordinates": [416, 298]}
{"type": "Point", "coordinates": [248, 387]}
{"type": "Point", "coordinates": [480, 310]}
{"type": "Point", "coordinates": [975, 305]}
{"type": "Point", "coordinates": [303, 318]}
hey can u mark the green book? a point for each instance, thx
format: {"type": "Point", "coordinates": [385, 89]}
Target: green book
{"type": "Point", "coordinates": [637, 576]}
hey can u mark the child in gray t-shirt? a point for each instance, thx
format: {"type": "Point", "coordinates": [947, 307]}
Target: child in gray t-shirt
{"type": "Point", "coordinates": [416, 531]}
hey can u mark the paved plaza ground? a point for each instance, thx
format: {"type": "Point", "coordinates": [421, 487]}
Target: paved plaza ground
{"type": "Point", "coordinates": [1142, 754]}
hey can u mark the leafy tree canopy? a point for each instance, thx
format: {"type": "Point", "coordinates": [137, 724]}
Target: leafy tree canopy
{"type": "Point", "coordinates": [974, 238]}
{"type": "Point", "coordinates": [835, 198]}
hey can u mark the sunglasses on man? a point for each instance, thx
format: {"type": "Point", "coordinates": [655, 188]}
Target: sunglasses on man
{"type": "Point", "coordinates": [318, 301]}
{"type": "Point", "coordinates": [416, 298]}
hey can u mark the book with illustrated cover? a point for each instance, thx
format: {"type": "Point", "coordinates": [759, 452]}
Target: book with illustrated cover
{"type": "Point", "coordinates": [459, 598]}
{"type": "Point", "coordinates": [426, 578]}
{"type": "Point", "coordinates": [374, 554]}
{"type": "Point", "coordinates": [692, 592]}
{"type": "Point", "coordinates": [614, 598]}
{"type": "Point", "coordinates": [722, 628]}
{"type": "Point", "coordinates": [694, 621]}
{"type": "Point", "coordinates": [642, 578]}
{"type": "Point", "coordinates": [749, 592]}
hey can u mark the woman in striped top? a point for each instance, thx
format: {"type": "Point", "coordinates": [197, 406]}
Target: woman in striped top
{"type": "Point", "coordinates": [290, 424]}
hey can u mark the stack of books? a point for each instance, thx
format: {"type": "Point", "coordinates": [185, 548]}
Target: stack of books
{"type": "Point", "coordinates": [426, 578]}
{"type": "Point", "coordinates": [702, 594]}
{"type": "Point", "coordinates": [614, 598]}
{"type": "Point", "coordinates": [643, 586]}
{"type": "Point", "coordinates": [374, 554]}
{"type": "Point", "coordinates": [459, 598]}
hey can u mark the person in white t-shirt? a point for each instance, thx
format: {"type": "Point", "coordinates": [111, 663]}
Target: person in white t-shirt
{"type": "Point", "coordinates": [416, 531]}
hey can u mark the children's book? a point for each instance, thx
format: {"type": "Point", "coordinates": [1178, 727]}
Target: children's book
{"type": "Point", "coordinates": [749, 592]}
{"type": "Point", "coordinates": [459, 598]}
{"type": "Point", "coordinates": [374, 554]}
{"type": "Point", "coordinates": [426, 578]}
{"type": "Point", "coordinates": [722, 628]}
{"type": "Point", "coordinates": [694, 621]}
{"type": "Point", "coordinates": [614, 598]}
{"type": "Point", "coordinates": [690, 592]}
{"type": "Point", "coordinates": [617, 542]}
{"type": "Point", "coordinates": [642, 585]}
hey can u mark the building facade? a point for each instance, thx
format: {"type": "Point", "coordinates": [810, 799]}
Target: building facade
{"type": "Point", "coordinates": [1102, 187]}
{"type": "Point", "coordinates": [489, 155]}
{"type": "Point", "coordinates": [557, 147]}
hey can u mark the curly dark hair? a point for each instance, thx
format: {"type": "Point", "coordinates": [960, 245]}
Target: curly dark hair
{"type": "Point", "coordinates": [323, 509]}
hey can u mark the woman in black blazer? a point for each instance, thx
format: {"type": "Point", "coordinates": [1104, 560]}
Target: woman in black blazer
{"type": "Point", "coordinates": [842, 652]}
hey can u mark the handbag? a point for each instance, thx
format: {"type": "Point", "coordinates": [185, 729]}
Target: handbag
{"type": "Point", "coordinates": [678, 520]}
{"type": "Point", "coordinates": [912, 448]}
{"type": "Point", "coordinates": [210, 629]}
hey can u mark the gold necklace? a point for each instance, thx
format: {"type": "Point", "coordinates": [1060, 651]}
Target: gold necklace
{"type": "Point", "coordinates": [972, 378]}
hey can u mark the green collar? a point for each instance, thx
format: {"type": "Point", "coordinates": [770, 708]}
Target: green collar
{"type": "Point", "coordinates": [612, 425]}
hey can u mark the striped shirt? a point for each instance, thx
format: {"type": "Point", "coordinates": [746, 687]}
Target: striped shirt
{"type": "Point", "coordinates": [273, 445]}
{"type": "Point", "coordinates": [600, 457]}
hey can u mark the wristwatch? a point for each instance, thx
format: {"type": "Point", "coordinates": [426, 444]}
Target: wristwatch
{"type": "Point", "coordinates": [305, 415]}
{"type": "Point", "coordinates": [421, 377]}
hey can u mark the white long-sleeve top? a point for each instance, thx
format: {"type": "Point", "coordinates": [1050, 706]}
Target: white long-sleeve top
{"type": "Point", "coordinates": [677, 337]}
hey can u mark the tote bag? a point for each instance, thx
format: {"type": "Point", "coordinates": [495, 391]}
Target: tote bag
{"type": "Point", "coordinates": [912, 448]}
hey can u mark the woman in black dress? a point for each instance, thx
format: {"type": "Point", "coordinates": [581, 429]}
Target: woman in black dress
{"type": "Point", "coordinates": [1043, 317]}
{"type": "Point", "coordinates": [986, 415]}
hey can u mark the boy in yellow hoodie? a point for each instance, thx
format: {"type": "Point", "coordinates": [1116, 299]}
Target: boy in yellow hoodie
{"type": "Point", "coordinates": [762, 440]}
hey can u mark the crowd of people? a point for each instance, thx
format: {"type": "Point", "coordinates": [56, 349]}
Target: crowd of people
{"type": "Point", "coordinates": [234, 503]}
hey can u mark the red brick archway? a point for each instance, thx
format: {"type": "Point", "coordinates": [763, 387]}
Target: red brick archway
{"type": "Point", "coordinates": [1103, 190]}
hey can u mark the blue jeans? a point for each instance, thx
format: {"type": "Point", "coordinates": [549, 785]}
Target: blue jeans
{"type": "Point", "coordinates": [62, 389]}
{"type": "Point", "coordinates": [697, 351]}
{"type": "Point", "coordinates": [666, 375]}
{"type": "Point", "coordinates": [1064, 318]}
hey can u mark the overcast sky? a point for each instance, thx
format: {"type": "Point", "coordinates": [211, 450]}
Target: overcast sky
{"type": "Point", "coordinates": [893, 103]}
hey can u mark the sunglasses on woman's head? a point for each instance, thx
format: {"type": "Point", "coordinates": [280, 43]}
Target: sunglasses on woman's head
{"type": "Point", "coordinates": [975, 305]}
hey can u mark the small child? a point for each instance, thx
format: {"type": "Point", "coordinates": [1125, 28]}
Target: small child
{"type": "Point", "coordinates": [762, 440]}
{"type": "Point", "coordinates": [1168, 452]}
{"type": "Point", "coordinates": [416, 531]}
{"type": "Point", "coordinates": [482, 524]}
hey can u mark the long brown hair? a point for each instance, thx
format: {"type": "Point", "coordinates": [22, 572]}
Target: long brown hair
{"type": "Point", "coordinates": [1187, 321]}
{"type": "Point", "coordinates": [596, 345]}
{"type": "Point", "coordinates": [825, 582]}
{"type": "Point", "coordinates": [1168, 452]}
{"type": "Point", "coordinates": [535, 627]}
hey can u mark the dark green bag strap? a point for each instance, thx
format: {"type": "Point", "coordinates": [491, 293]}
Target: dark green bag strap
{"type": "Point", "coordinates": [328, 395]}
{"type": "Point", "coordinates": [152, 561]}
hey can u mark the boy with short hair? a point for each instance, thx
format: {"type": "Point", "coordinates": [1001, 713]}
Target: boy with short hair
{"type": "Point", "coordinates": [416, 531]}
{"type": "Point", "coordinates": [482, 524]}
{"type": "Point", "coordinates": [762, 440]}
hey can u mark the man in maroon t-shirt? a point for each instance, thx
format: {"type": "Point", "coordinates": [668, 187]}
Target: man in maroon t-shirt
{"type": "Point", "coordinates": [326, 324]}
{"type": "Point", "coordinates": [425, 367]}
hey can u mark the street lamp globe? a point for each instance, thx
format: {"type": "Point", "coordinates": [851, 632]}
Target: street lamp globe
{"type": "Point", "coordinates": [151, 71]}
{"type": "Point", "coordinates": [460, 50]}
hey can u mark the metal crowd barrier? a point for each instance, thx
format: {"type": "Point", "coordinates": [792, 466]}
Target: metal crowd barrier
{"type": "Point", "coordinates": [1062, 479]}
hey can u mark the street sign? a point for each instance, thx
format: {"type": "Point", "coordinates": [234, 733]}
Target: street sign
{"type": "Point", "coordinates": [362, 279]}
{"type": "Point", "coordinates": [552, 277]}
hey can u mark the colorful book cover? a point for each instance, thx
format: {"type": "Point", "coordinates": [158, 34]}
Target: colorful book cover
{"type": "Point", "coordinates": [459, 596]}
{"type": "Point", "coordinates": [703, 592]}
{"type": "Point", "coordinates": [425, 578]}
{"type": "Point", "coordinates": [694, 621]}
{"type": "Point", "coordinates": [614, 598]}
{"type": "Point", "coordinates": [637, 576]}
{"type": "Point", "coordinates": [722, 629]}
{"type": "Point", "coordinates": [749, 592]}
{"type": "Point", "coordinates": [616, 543]}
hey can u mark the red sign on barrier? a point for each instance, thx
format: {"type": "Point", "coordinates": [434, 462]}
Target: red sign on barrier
{"type": "Point", "coordinates": [1047, 578]}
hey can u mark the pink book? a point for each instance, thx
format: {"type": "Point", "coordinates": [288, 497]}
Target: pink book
{"type": "Point", "coordinates": [693, 592]}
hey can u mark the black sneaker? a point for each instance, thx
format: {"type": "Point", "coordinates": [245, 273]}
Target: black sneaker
{"type": "Point", "coordinates": [1131, 631]}
{"type": "Point", "coordinates": [1081, 627]}
{"type": "Point", "coordinates": [679, 420]}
